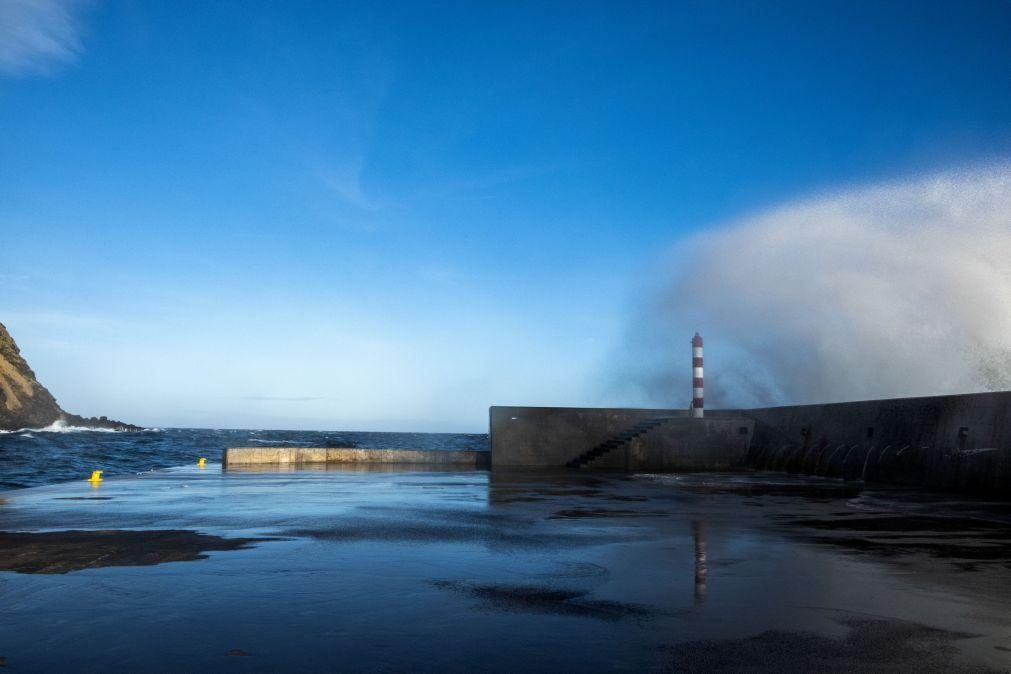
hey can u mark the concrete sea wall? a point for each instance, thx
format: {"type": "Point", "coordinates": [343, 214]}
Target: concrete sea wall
{"type": "Point", "coordinates": [245, 456]}
{"type": "Point", "coordinates": [957, 442]}
{"type": "Point", "coordinates": [551, 437]}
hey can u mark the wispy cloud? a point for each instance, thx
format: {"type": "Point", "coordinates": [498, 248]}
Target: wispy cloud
{"type": "Point", "coordinates": [889, 290]}
{"type": "Point", "coordinates": [481, 185]}
{"type": "Point", "coordinates": [37, 37]}
{"type": "Point", "coordinates": [283, 399]}
{"type": "Point", "coordinates": [345, 180]}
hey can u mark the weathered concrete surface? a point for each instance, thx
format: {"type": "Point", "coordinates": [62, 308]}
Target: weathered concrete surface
{"type": "Point", "coordinates": [552, 436]}
{"type": "Point", "coordinates": [692, 444]}
{"type": "Point", "coordinates": [233, 456]}
{"type": "Point", "coordinates": [549, 437]}
{"type": "Point", "coordinates": [956, 442]}
{"type": "Point", "coordinates": [278, 468]}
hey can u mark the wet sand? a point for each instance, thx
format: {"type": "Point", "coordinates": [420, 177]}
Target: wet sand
{"type": "Point", "coordinates": [452, 571]}
{"type": "Point", "coordinates": [65, 551]}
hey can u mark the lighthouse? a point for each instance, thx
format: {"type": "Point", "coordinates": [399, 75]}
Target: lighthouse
{"type": "Point", "coordinates": [698, 404]}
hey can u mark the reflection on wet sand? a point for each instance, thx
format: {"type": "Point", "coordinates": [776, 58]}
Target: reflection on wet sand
{"type": "Point", "coordinates": [869, 645]}
{"type": "Point", "coordinates": [375, 567]}
{"type": "Point", "coordinates": [701, 566]}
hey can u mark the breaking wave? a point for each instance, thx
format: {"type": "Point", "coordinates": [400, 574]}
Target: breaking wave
{"type": "Point", "coordinates": [897, 289]}
{"type": "Point", "coordinates": [63, 427]}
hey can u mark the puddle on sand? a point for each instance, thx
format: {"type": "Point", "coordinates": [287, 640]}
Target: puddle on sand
{"type": "Point", "coordinates": [546, 599]}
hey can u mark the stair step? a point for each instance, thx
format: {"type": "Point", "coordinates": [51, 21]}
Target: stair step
{"type": "Point", "coordinates": [618, 440]}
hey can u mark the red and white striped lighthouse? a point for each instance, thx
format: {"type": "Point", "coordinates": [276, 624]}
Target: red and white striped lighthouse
{"type": "Point", "coordinates": [698, 403]}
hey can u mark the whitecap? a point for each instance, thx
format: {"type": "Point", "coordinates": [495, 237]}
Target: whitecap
{"type": "Point", "coordinates": [60, 426]}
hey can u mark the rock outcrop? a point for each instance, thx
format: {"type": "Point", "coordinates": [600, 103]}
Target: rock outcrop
{"type": "Point", "coordinates": [25, 403]}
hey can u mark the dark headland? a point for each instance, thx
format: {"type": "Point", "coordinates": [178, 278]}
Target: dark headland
{"type": "Point", "coordinates": [25, 403]}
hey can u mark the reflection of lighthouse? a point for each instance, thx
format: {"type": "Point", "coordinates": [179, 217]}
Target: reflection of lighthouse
{"type": "Point", "coordinates": [699, 530]}
{"type": "Point", "coordinates": [698, 402]}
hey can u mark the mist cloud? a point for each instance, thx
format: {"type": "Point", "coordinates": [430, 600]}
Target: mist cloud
{"type": "Point", "coordinates": [889, 290]}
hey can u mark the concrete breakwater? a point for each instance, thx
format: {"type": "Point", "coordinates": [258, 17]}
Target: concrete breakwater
{"type": "Point", "coordinates": [244, 456]}
{"type": "Point", "coordinates": [956, 442]}
{"type": "Point", "coordinates": [640, 440]}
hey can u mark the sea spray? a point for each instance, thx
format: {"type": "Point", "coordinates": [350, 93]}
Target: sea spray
{"type": "Point", "coordinates": [897, 289]}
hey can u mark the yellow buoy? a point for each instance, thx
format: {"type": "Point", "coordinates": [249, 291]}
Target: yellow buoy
{"type": "Point", "coordinates": [200, 462]}
{"type": "Point", "coordinates": [96, 477]}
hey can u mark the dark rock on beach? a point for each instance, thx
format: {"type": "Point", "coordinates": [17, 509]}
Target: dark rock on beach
{"type": "Point", "coordinates": [65, 551]}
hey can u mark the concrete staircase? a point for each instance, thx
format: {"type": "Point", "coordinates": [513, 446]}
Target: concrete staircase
{"type": "Point", "coordinates": [619, 440]}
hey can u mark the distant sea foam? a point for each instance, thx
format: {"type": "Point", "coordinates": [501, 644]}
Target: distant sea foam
{"type": "Point", "coordinates": [60, 426]}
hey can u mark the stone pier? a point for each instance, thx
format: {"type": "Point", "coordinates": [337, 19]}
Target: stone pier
{"type": "Point", "coordinates": [244, 456]}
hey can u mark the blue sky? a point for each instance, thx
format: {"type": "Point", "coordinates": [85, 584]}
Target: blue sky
{"type": "Point", "coordinates": [392, 215]}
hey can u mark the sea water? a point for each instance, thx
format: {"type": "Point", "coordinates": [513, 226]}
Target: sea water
{"type": "Point", "coordinates": [32, 457]}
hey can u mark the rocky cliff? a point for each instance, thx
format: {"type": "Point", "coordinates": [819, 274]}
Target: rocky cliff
{"type": "Point", "coordinates": [25, 403]}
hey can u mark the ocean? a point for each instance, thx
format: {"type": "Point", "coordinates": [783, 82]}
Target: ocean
{"type": "Point", "coordinates": [33, 457]}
